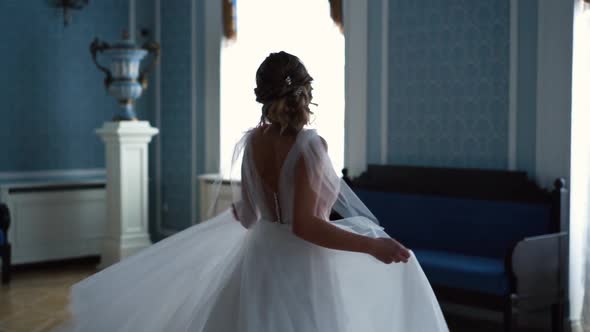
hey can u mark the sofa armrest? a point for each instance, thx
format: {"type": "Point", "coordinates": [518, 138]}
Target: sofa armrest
{"type": "Point", "coordinates": [539, 269]}
{"type": "Point", "coordinates": [4, 218]}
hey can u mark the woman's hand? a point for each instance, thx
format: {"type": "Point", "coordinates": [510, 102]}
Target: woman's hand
{"type": "Point", "coordinates": [388, 250]}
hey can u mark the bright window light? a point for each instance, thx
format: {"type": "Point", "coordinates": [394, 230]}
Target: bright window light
{"type": "Point", "coordinates": [303, 28]}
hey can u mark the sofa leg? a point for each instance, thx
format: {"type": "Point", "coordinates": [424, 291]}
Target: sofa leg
{"type": "Point", "coordinates": [510, 317]}
{"type": "Point", "coordinates": [6, 263]}
{"type": "Point", "coordinates": [557, 317]}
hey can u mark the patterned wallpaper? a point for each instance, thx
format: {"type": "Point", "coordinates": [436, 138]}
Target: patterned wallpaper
{"type": "Point", "coordinates": [176, 108]}
{"type": "Point", "coordinates": [176, 113]}
{"type": "Point", "coordinates": [527, 87]}
{"type": "Point", "coordinates": [52, 95]}
{"type": "Point", "coordinates": [374, 57]}
{"type": "Point", "coordinates": [448, 83]}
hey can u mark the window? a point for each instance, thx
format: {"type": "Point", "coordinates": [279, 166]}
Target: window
{"type": "Point", "coordinates": [305, 30]}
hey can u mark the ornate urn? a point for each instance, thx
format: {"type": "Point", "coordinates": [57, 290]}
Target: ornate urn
{"type": "Point", "coordinates": [124, 79]}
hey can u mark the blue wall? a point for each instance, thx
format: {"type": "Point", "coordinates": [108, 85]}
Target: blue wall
{"type": "Point", "coordinates": [448, 83]}
{"type": "Point", "coordinates": [176, 113]}
{"type": "Point", "coordinates": [374, 58]}
{"type": "Point", "coordinates": [527, 86]}
{"type": "Point", "coordinates": [52, 95]}
{"type": "Point", "coordinates": [177, 94]}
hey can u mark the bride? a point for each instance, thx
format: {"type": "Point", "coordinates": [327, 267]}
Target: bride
{"type": "Point", "coordinates": [274, 262]}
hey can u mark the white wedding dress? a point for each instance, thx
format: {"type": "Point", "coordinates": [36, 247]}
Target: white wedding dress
{"type": "Point", "coordinates": [218, 276]}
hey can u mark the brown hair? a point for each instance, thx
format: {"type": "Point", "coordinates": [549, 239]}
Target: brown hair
{"type": "Point", "coordinates": [283, 87]}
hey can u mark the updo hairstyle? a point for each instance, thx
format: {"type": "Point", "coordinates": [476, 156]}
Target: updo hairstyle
{"type": "Point", "coordinates": [283, 87]}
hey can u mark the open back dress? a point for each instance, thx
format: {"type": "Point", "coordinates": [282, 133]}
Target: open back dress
{"type": "Point", "coordinates": [255, 275]}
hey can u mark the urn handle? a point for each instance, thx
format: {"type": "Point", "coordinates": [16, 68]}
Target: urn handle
{"type": "Point", "coordinates": [154, 49]}
{"type": "Point", "coordinates": [100, 46]}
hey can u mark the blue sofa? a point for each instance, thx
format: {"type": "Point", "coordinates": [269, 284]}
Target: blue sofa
{"type": "Point", "coordinates": [485, 238]}
{"type": "Point", "coordinates": [5, 248]}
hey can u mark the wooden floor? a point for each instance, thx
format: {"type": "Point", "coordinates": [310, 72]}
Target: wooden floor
{"type": "Point", "coordinates": [36, 300]}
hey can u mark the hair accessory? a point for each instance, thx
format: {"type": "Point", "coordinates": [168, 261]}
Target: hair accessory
{"type": "Point", "coordinates": [288, 80]}
{"type": "Point", "coordinates": [298, 91]}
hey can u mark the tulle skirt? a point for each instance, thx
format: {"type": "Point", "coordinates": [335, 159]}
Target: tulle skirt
{"type": "Point", "coordinates": [219, 277]}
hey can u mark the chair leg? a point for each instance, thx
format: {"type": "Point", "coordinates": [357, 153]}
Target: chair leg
{"type": "Point", "coordinates": [6, 263]}
{"type": "Point", "coordinates": [510, 317]}
{"type": "Point", "coordinates": [557, 317]}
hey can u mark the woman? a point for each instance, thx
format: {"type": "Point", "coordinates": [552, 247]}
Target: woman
{"type": "Point", "coordinates": [289, 268]}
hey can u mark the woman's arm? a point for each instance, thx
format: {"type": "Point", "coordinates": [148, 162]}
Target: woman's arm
{"type": "Point", "coordinates": [318, 231]}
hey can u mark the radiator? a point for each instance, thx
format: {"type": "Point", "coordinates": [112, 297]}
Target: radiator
{"type": "Point", "coordinates": [55, 221]}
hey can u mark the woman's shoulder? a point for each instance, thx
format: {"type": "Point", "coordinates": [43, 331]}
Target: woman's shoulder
{"type": "Point", "coordinates": [309, 141]}
{"type": "Point", "coordinates": [313, 136]}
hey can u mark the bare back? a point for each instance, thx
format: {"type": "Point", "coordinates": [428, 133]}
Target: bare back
{"type": "Point", "coordinates": [269, 150]}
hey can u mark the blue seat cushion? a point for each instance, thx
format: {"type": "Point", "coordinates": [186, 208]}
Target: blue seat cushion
{"type": "Point", "coordinates": [475, 273]}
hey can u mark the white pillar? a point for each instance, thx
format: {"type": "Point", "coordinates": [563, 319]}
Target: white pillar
{"type": "Point", "coordinates": [127, 188]}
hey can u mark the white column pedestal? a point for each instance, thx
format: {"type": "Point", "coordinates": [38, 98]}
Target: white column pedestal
{"type": "Point", "coordinates": [127, 188]}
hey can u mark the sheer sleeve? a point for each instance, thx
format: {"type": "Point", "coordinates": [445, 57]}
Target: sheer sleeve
{"type": "Point", "coordinates": [242, 181]}
{"type": "Point", "coordinates": [316, 188]}
{"type": "Point", "coordinates": [244, 192]}
{"type": "Point", "coordinates": [244, 208]}
{"type": "Point", "coordinates": [306, 204]}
